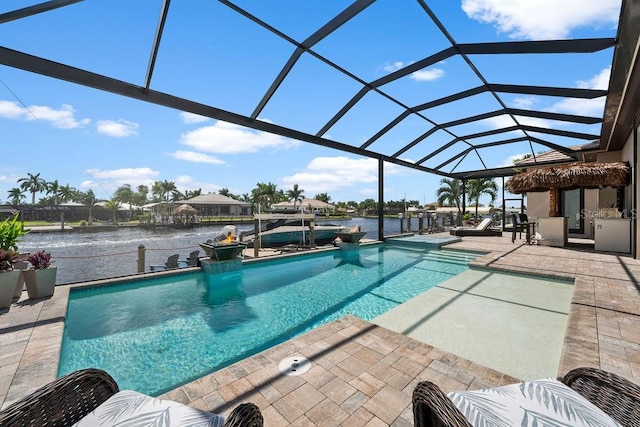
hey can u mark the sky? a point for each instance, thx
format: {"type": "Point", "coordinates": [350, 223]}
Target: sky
{"type": "Point", "coordinates": [96, 140]}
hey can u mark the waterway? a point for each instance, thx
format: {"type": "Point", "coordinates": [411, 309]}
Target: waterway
{"type": "Point", "coordinates": [84, 256]}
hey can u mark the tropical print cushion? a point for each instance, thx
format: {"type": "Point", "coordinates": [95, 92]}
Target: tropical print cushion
{"type": "Point", "coordinates": [546, 402]}
{"type": "Point", "coordinates": [133, 409]}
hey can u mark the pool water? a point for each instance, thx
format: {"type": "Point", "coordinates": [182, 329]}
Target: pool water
{"type": "Point", "coordinates": [156, 334]}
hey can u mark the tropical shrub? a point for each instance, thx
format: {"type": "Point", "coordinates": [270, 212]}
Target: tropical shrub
{"type": "Point", "coordinates": [11, 230]}
{"type": "Point", "coordinates": [7, 258]}
{"type": "Point", "coordinates": [40, 260]}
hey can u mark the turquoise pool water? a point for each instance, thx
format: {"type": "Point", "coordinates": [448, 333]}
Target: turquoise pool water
{"type": "Point", "coordinates": [156, 334]}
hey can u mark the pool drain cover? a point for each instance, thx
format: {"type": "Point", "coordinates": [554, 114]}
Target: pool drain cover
{"type": "Point", "coordinates": [294, 365]}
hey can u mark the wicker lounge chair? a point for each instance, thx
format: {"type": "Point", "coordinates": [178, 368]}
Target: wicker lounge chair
{"type": "Point", "coordinates": [481, 229]}
{"type": "Point", "coordinates": [614, 395]}
{"type": "Point", "coordinates": [70, 398]}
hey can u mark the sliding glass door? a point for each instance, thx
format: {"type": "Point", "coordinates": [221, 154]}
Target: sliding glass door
{"type": "Point", "coordinates": [572, 205]}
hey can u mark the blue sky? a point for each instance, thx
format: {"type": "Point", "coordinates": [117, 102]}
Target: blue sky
{"type": "Point", "coordinates": [211, 54]}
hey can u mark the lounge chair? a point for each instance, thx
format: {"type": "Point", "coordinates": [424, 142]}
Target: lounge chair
{"type": "Point", "coordinates": [591, 395]}
{"type": "Point", "coordinates": [481, 229]}
{"type": "Point", "coordinates": [172, 262]}
{"type": "Point", "coordinates": [79, 394]}
{"type": "Point", "coordinates": [192, 261]}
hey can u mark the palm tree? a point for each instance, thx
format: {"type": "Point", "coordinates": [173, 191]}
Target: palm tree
{"type": "Point", "coordinates": [295, 194]}
{"type": "Point", "coordinates": [113, 205]}
{"type": "Point", "coordinates": [478, 187]}
{"type": "Point", "coordinates": [140, 197]}
{"type": "Point", "coordinates": [226, 192]}
{"type": "Point", "coordinates": [324, 197]}
{"type": "Point", "coordinates": [33, 184]}
{"type": "Point", "coordinates": [367, 205]}
{"type": "Point", "coordinates": [167, 188]}
{"type": "Point", "coordinates": [264, 195]}
{"type": "Point", "coordinates": [156, 191]}
{"type": "Point", "coordinates": [450, 193]}
{"type": "Point", "coordinates": [16, 196]}
{"type": "Point", "coordinates": [88, 199]}
{"type": "Point", "coordinates": [125, 194]}
{"type": "Point", "coordinates": [53, 188]}
{"type": "Point", "coordinates": [67, 193]}
{"type": "Point", "coordinates": [189, 194]}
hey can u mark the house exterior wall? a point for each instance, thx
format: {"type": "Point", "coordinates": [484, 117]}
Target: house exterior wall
{"type": "Point", "coordinates": [538, 205]}
{"type": "Point", "coordinates": [627, 155]}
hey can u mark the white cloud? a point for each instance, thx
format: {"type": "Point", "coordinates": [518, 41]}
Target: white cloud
{"type": "Point", "coordinates": [104, 182]}
{"type": "Point", "coordinates": [524, 103]}
{"type": "Point", "coordinates": [504, 121]}
{"type": "Point", "coordinates": [186, 182]}
{"type": "Point", "coordinates": [327, 174]}
{"type": "Point", "coordinates": [192, 156]}
{"type": "Point", "coordinates": [369, 193]}
{"type": "Point", "coordinates": [533, 20]}
{"type": "Point", "coordinates": [124, 175]}
{"type": "Point", "coordinates": [192, 118]}
{"type": "Point", "coordinates": [581, 107]}
{"type": "Point", "coordinates": [427, 75]}
{"type": "Point", "coordinates": [11, 110]}
{"type": "Point", "coordinates": [62, 118]}
{"type": "Point", "coordinates": [586, 107]}
{"type": "Point", "coordinates": [394, 66]}
{"type": "Point", "coordinates": [599, 81]}
{"type": "Point", "coordinates": [117, 128]}
{"type": "Point", "coordinates": [509, 161]}
{"type": "Point", "coordinates": [228, 138]}
{"type": "Point", "coordinates": [9, 179]}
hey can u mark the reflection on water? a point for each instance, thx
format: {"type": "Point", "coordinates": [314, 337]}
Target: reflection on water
{"type": "Point", "coordinates": [84, 256]}
{"type": "Point", "coordinates": [226, 300]}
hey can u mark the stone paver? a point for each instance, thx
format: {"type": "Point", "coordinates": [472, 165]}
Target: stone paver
{"type": "Point", "coordinates": [363, 374]}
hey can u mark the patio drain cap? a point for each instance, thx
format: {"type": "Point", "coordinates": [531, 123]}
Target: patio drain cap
{"type": "Point", "coordinates": [294, 365]}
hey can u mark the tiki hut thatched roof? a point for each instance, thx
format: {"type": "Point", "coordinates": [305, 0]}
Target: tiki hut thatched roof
{"type": "Point", "coordinates": [571, 176]}
{"type": "Point", "coordinates": [185, 210]}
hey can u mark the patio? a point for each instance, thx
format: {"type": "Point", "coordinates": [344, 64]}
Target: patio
{"type": "Point", "coordinates": [363, 374]}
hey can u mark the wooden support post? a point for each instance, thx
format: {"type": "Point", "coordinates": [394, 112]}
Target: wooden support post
{"type": "Point", "coordinates": [312, 234]}
{"type": "Point", "coordinates": [408, 223]}
{"type": "Point", "coordinates": [256, 240]}
{"type": "Point", "coordinates": [553, 202]}
{"type": "Point", "coordinates": [141, 258]}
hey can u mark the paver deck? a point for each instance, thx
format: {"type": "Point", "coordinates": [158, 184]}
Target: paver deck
{"type": "Point", "coordinates": [363, 374]}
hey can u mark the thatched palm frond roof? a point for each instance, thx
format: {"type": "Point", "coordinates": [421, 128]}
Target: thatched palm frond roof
{"type": "Point", "coordinates": [185, 210]}
{"type": "Point", "coordinates": [571, 176]}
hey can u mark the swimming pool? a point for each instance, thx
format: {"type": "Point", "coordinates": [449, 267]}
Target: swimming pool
{"type": "Point", "coordinates": [156, 334]}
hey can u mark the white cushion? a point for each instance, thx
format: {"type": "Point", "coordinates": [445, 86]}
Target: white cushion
{"type": "Point", "coordinates": [546, 402]}
{"type": "Point", "coordinates": [135, 409]}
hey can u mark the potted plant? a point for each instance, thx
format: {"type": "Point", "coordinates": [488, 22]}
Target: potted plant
{"type": "Point", "coordinates": [41, 277]}
{"type": "Point", "coordinates": [8, 277]}
{"type": "Point", "coordinates": [11, 230]}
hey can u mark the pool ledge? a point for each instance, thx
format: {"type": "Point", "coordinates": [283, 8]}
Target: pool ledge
{"type": "Point", "coordinates": [603, 331]}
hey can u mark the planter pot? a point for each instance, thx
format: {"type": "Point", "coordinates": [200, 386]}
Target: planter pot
{"type": "Point", "coordinates": [20, 266]}
{"type": "Point", "coordinates": [40, 283]}
{"type": "Point", "coordinates": [8, 283]}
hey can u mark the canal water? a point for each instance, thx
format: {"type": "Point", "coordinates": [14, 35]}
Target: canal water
{"type": "Point", "coordinates": [84, 256]}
